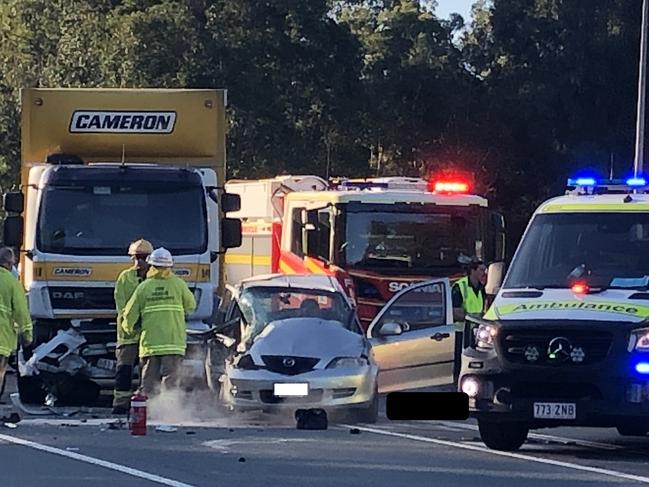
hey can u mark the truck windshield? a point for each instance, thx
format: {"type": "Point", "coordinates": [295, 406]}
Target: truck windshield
{"type": "Point", "coordinates": [417, 241]}
{"type": "Point", "coordinates": [607, 250]}
{"type": "Point", "coordinates": [103, 220]}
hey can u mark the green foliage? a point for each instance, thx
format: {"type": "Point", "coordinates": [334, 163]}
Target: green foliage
{"type": "Point", "coordinates": [526, 93]}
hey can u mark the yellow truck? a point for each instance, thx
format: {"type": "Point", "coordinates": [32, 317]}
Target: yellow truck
{"type": "Point", "coordinates": [101, 168]}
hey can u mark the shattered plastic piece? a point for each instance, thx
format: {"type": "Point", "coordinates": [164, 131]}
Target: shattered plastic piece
{"type": "Point", "coordinates": [242, 459]}
{"type": "Point", "coordinates": [10, 425]}
{"type": "Point", "coordinates": [190, 432]}
{"type": "Point", "coordinates": [70, 339]}
{"type": "Point", "coordinates": [18, 404]}
{"type": "Point", "coordinates": [354, 431]}
{"type": "Point", "coordinates": [166, 428]}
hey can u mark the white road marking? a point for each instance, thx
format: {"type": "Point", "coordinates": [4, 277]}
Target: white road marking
{"type": "Point", "coordinates": [95, 461]}
{"type": "Point", "coordinates": [540, 436]}
{"type": "Point", "coordinates": [519, 456]}
{"type": "Point", "coordinates": [224, 445]}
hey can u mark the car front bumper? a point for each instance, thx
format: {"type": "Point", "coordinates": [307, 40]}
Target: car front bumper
{"type": "Point", "coordinates": [328, 389]}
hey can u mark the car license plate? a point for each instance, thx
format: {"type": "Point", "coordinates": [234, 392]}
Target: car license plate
{"type": "Point", "coordinates": [291, 390]}
{"type": "Point", "coordinates": [104, 363]}
{"type": "Point", "coordinates": [555, 410]}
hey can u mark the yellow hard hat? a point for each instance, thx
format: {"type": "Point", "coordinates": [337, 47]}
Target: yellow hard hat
{"type": "Point", "coordinates": [140, 247]}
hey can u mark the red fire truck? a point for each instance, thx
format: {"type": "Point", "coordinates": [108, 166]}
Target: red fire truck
{"type": "Point", "coordinates": [377, 236]}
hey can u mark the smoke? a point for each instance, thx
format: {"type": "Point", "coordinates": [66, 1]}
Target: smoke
{"type": "Point", "coordinates": [186, 408]}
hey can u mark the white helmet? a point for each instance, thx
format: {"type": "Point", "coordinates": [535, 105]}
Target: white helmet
{"type": "Point", "coordinates": [160, 257]}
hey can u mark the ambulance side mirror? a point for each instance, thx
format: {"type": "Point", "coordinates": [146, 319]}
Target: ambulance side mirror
{"type": "Point", "coordinates": [495, 274]}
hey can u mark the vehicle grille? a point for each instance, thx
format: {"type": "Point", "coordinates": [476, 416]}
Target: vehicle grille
{"type": "Point", "coordinates": [595, 346]}
{"type": "Point", "coordinates": [267, 397]}
{"type": "Point", "coordinates": [287, 365]}
{"type": "Point", "coordinates": [550, 391]}
{"type": "Point", "coordinates": [82, 297]}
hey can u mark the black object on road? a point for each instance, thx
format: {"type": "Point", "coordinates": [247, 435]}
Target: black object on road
{"type": "Point", "coordinates": [311, 419]}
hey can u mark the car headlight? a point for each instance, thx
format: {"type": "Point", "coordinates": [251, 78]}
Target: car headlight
{"type": "Point", "coordinates": [639, 340]}
{"type": "Point", "coordinates": [485, 336]}
{"type": "Point", "coordinates": [348, 362]}
{"type": "Point", "coordinates": [245, 363]}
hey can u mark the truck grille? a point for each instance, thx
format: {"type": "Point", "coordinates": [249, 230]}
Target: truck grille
{"type": "Point", "coordinates": [82, 297]}
{"type": "Point", "coordinates": [283, 364]}
{"type": "Point", "coordinates": [571, 347]}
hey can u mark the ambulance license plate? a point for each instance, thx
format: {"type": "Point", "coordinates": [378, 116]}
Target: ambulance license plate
{"type": "Point", "coordinates": [104, 363]}
{"type": "Point", "coordinates": [555, 410]}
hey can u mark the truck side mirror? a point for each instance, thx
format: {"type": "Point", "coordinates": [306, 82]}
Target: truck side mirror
{"type": "Point", "coordinates": [14, 202]}
{"type": "Point", "coordinates": [231, 233]}
{"type": "Point", "coordinates": [13, 230]}
{"type": "Point", "coordinates": [230, 202]}
{"type": "Point", "coordinates": [495, 274]}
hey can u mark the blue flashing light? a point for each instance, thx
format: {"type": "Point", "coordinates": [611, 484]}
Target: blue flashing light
{"type": "Point", "coordinates": [582, 182]}
{"type": "Point", "coordinates": [636, 182]}
{"type": "Point", "coordinates": [642, 367]}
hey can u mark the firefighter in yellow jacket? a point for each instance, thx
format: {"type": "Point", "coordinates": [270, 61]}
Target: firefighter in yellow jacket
{"type": "Point", "coordinates": [127, 344]}
{"type": "Point", "coordinates": [14, 315]}
{"type": "Point", "coordinates": [160, 304]}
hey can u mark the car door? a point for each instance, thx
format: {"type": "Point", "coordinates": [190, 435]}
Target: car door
{"type": "Point", "coordinates": [416, 348]}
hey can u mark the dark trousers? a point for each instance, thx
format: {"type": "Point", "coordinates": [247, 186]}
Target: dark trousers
{"type": "Point", "coordinates": [457, 361]}
{"type": "Point", "coordinates": [126, 360]}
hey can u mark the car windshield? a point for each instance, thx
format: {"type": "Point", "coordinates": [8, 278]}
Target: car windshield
{"type": "Point", "coordinates": [606, 250]}
{"type": "Point", "coordinates": [263, 305]}
{"type": "Point", "coordinates": [417, 241]}
{"type": "Point", "coordinates": [91, 219]}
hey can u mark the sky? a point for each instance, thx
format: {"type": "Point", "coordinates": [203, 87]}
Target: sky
{"type": "Point", "coordinates": [446, 7]}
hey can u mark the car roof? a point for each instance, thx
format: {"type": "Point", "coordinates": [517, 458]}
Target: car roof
{"type": "Point", "coordinates": [318, 282]}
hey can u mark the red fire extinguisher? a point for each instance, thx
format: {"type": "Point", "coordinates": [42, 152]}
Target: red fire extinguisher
{"type": "Point", "coordinates": [137, 416]}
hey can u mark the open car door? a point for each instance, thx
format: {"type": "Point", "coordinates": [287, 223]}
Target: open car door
{"type": "Point", "coordinates": [413, 337]}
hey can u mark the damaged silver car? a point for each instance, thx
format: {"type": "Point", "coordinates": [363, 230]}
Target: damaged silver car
{"type": "Point", "coordinates": [289, 342]}
{"type": "Point", "coordinates": [296, 343]}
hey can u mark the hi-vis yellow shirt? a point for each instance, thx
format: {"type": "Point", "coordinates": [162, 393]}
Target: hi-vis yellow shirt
{"type": "Point", "coordinates": [125, 286]}
{"type": "Point", "coordinates": [14, 315]}
{"type": "Point", "coordinates": [160, 304]}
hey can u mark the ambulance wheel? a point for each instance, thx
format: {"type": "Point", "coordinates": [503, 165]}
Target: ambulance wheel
{"type": "Point", "coordinates": [31, 390]}
{"type": "Point", "coordinates": [629, 429]}
{"type": "Point", "coordinates": [503, 435]}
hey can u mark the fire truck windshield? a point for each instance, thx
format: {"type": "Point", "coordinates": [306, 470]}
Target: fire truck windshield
{"type": "Point", "coordinates": [103, 219]}
{"type": "Point", "coordinates": [416, 240]}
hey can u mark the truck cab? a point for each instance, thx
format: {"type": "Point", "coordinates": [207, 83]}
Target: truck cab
{"type": "Point", "coordinates": [566, 340]}
{"type": "Point", "coordinates": [100, 169]}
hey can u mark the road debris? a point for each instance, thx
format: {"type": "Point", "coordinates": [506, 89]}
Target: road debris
{"type": "Point", "coordinates": [163, 428]}
{"type": "Point", "coordinates": [11, 418]}
{"type": "Point", "coordinates": [242, 459]}
{"type": "Point", "coordinates": [10, 425]}
{"type": "Point", "coordinates": [354, 431]}
{"type": "Point", "coordinates": [72, 448]}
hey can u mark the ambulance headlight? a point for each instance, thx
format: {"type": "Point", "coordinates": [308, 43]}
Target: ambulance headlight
{"type": "Point", "coordinates": [639, 340]}
{"type": "Point", "coordinates": [485, 335]}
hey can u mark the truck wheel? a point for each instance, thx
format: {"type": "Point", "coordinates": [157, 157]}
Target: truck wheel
{"type": "Point", "coordinates": [31, 390]}
{"type": "Point", "coordinates": [627, 429]}
{"type": "Point", "coordinates": [503, 436]}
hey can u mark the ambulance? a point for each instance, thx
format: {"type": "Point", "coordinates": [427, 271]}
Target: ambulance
{"type": "Point", "coordinates": [566, 340]}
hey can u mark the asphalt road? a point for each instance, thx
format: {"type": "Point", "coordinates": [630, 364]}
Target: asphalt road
{"type": "Point", "coordinates": [255, 450]}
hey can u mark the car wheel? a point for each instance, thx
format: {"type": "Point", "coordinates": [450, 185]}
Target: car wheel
{"type": "Point", "coordinates": [503, 436]}
{"type": "Point", "coordinates": [629, 429]}
{"type": "Point", "coordinates": [369, 414]}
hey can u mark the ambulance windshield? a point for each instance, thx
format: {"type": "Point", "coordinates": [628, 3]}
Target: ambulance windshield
{"type": "Point", "coordinates": [606, 250]}
{"type": "Point", "coordinates": [103, 219]}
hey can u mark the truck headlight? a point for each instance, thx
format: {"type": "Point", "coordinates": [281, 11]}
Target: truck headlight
{"type": "Point", "coordinates": [348, 362]}
{"type": "Point", "coordinates": [639, 340]}
{"type": "Point", "coordinates": [485, 336]}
